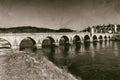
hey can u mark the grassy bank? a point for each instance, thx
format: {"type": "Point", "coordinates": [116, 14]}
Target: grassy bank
{"type": "Point", "coordinates": [21, 66]}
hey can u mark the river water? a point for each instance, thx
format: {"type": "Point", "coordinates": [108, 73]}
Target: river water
{"type": "Point", "coordinates": [91, 61]}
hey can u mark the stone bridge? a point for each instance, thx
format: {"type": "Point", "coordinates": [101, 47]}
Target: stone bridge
{"type": "Point", "coordinates": [15, 39]}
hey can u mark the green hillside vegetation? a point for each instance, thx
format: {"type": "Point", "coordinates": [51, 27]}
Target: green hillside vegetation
{"type": "Point", "coordinates": [31, 29]}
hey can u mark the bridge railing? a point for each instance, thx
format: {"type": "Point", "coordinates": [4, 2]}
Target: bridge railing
{"type": "Point", "coordinates": [11, 34]}
{"type": "Point", "coordinates": [65, 33]}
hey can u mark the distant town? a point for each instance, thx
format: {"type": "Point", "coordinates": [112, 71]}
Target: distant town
{"type": "Point", "coordinates": [110, 28]}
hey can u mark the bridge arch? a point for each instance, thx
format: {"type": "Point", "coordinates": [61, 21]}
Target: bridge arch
{"type": "Point", "coordinates": [28, 43]}
{"type": "Point", "coordinates": [100, 38]}
{"type": "Point", "coordinates": [76, 39]}
{"type": "Point", "coordinates": [109, 37]}
{"type": "Point", "coordinates": [63, 40]}
{"type": "Point", "coordinates": [5, 43]}
{"type": "Point", "coordinates": [86, 38]}
{"type": "Point", "coordinates": [48, 41]}
{"type": "Point", "coordinates": [105, 37]}
{"type": "Point", "coordinates": [95, 38]}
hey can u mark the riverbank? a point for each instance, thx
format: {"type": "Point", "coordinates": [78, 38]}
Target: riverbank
{"type": "Point", "coordinates": [116, 37]}
{"type": "Point", "coordinates": [21, 66]}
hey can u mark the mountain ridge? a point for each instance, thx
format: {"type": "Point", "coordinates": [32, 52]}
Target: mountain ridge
{"type": "Point", "coordinates": [32, 29]}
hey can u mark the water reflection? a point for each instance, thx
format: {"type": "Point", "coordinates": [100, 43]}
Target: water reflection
{"type": "Point", "coordinates": [92, 61]}
{"type": "Point", "coordinates": [103, 54]}
{"type": "Point", "coordinates": [86, 46]}
{"type": "Point", "coordinates": [49, 52]}
{"type": "Point", "coordinates": [67, 51]}
{"type": "Point", "coordinates": [77, 48]}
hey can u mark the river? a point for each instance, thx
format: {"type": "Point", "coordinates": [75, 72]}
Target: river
{"type": "Point", "coordinates": [91, 61]}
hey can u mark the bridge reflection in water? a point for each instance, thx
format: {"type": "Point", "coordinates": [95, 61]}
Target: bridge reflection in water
{"type": "Point", "coordinates": [78, 57]}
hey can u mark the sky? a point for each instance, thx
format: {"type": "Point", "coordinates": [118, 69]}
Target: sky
{"type": "Point", "coordinates": [55, 14]}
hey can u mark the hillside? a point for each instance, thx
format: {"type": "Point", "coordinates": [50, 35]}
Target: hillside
{"type": "Point", "coordinates": [30, 29]}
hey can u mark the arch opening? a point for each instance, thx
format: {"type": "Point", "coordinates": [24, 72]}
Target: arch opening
{"type": "Point", "coordinates": [5, 44]}
{"type": "Point", "coordinates": [86, 38]}
{"type": "Point", "coordinates": [28, 44]}
{"type": "Point", "coordinates": [76, 39]}
{"type": "Point", "coordinates": [109, 37]}
{"type": "Point", "coordinates": [95, 38]}
{"type": "Point", "coordinates": [77, 42]}
{"type": "Point", "coordinates": [64, 40]}
{"type": "Point", "coordinates": [100, 38]}
{"type": "Point", "coordinates": [105, 37]}
{"type": "Point", "coordinates": [48, 41]}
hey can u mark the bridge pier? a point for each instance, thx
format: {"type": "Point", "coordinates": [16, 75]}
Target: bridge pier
{"type": "Point", "coordinates": [15, 48]}
{"type": "Point", "coordinates": [57, 44]}
{"type": "Point", "coordinates": [91, 39]}
{"type": "Point", "coordinates": [82, 40]}
{"type": "Point", "coordinates": [98, 40]}
{"type": "Point", "coordinates": [71, 43]}
{"type": "Point", "coordinates": [39, 46]}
